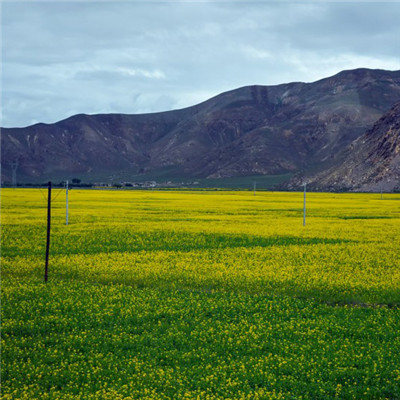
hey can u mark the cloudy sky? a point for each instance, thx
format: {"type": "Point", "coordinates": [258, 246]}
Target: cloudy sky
{"type": "Point", "coordinates": [64, 58]}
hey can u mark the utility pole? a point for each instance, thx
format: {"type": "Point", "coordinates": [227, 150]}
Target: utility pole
{"type": "Point", "coordinates": [14, 167]}
{"type": "Point", "coordinates": [304, 206]}
{"type": "Point", "coordinates": [66, 202]}
{"type": "Point", "coordinates": [254, 187]}
{"type": "Point", "coordinates": [48, 233]}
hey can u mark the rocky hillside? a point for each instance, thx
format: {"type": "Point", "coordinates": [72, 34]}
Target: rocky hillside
{"type": "Point", "coordinates": [370, 163]}
{"type": "Point", "coordinates": [248, 131]}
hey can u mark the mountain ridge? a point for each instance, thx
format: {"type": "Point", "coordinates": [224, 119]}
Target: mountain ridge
{"type": "Point", "coordinates": [370, 163]}
{"type": "Point", "coordinates": [252, 130]}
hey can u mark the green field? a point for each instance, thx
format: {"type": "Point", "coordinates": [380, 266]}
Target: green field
{"type": "Point", "coordinates": [200, 295]}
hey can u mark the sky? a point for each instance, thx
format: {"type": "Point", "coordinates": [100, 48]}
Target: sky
{"type": "Point", "coordinates": [65, 58]}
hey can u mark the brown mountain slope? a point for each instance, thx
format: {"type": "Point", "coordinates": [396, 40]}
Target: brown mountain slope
{"type": "Point", "coordinates": [247, 131]}
{"type": "Point", "coordinates": [371, 162]}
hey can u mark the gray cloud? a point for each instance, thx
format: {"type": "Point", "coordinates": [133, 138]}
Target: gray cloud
{"type": "Point", "coordinates": [63, 58]}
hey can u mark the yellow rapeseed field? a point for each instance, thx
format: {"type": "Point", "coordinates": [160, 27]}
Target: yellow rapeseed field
{"type": "Point", "coordinates": [200, 294]}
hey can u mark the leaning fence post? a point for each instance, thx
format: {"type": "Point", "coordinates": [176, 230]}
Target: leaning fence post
{"type": "Point", "coordinates": [48, 233]}
{"type": "Point", "coordinates": [304, 205]}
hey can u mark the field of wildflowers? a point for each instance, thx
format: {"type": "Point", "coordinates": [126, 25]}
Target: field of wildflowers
{"type": "Point", "coordinates": [208, 295]}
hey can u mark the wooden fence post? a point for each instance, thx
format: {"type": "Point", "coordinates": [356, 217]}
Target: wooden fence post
{"type": "Point", "coordinates": [48, 233]}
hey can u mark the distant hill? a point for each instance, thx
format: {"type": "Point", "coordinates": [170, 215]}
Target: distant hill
{"type": "Point", "coordinates": [254, 130]}
{"type": "Point", "coordinates": [370, 163]}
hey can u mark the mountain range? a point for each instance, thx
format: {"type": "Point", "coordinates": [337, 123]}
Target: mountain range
{"type": "Point", "coordinates": [370, 163]}
{"type": "Point", "coordinates": [339, 133]}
